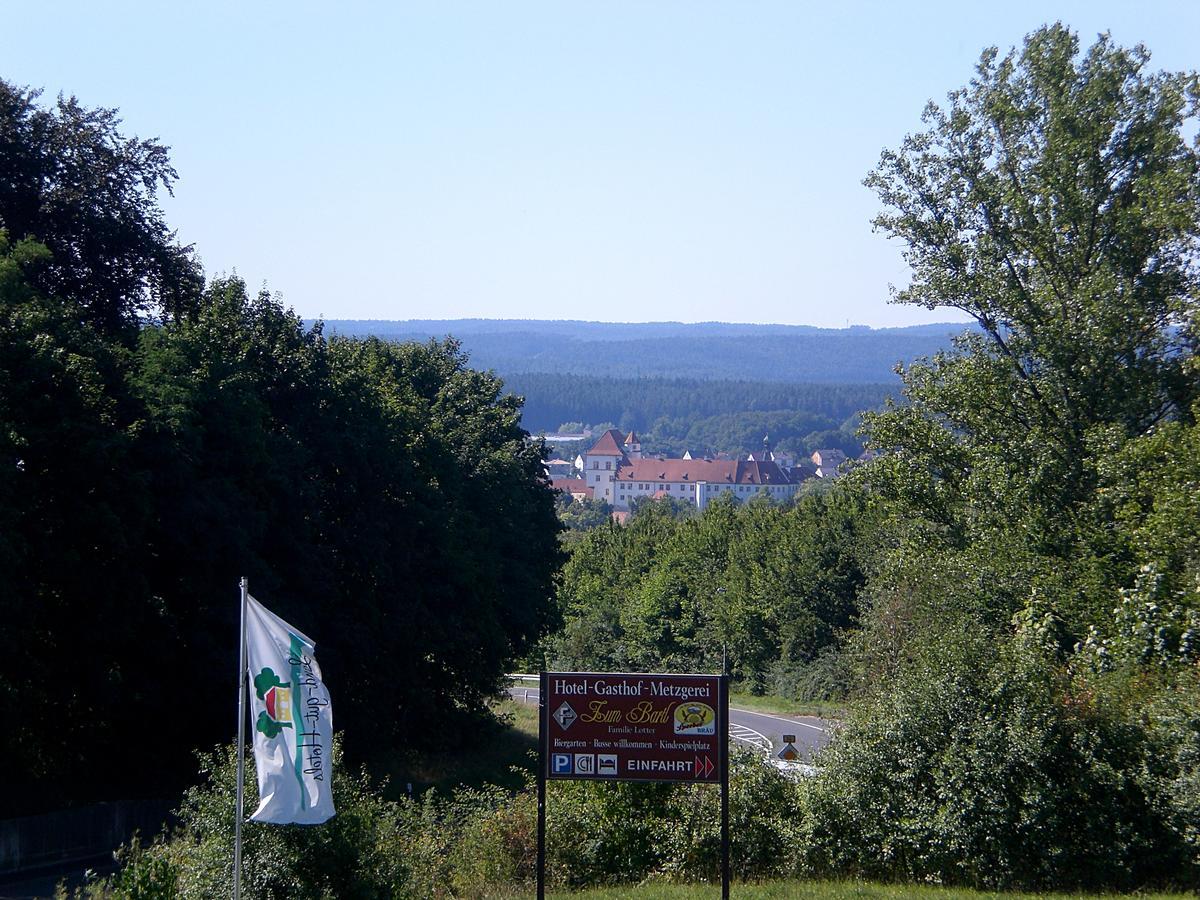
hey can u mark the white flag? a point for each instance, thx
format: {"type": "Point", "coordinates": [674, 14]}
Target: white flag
{"type": "Point", "coordinates": [292, 721]}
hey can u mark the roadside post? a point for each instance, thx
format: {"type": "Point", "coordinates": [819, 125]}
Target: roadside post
{"type": "Point", "coordinates": [723, 691]}
{"type": "Point", "coordinates": [543, 734]}
{"type": "Point", "coordinates": [612, 726]}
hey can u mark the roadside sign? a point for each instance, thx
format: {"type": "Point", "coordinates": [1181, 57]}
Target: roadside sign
{"type": "Point", "coordinates": [626, 727]}
{"type": "Point", "coordinates": [789, 751]}
{"type": "Point", "coordinates": [605, 726]}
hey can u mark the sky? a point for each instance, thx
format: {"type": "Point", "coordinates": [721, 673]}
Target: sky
{"type": "Point", "coordinates": [618, 161]}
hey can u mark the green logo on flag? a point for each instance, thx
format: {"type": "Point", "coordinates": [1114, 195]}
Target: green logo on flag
{"type": "Point", "coordinates": [277, 695]}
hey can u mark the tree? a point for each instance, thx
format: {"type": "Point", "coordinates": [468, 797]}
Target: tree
{"type": "Point", "coordinates": [387, 488]}
{"type": "Point", "coordinates": [384, 490]}
{"type": "Point", "coordinates": [1036, 735]}
{"type": "Point", "coordinates": [72, 181]}
{"type": "Point", "coordinates": [582, 515]}
{"type": "Point", "coordinates": [772, 586]}
{"type": "Point", "coordinates": [1056, 200]}
{"type": "Point", "coordinates": [73, 515]}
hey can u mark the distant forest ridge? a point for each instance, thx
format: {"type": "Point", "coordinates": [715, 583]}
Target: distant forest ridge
{"type": "Point", "coordinates": [707, 350]}
{"type": "Point", "coordinates": [675, 407]}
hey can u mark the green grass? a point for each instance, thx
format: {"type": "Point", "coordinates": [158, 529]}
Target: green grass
{"type": "Point", "coordinates": [802, 890]}
{"type": "Point", "coordinates": [784, 706]}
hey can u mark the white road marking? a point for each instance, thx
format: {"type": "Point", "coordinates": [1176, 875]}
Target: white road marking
{"type": "Point", "coordinates": [759, 740]}
{"type": "Point", "coordinates": [780, 718]}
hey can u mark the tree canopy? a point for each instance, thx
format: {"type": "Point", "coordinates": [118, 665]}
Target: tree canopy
{"type": "Point", "coordinates": [72, 181]}
{"type": "Point", "coordinates": [1055, 199]}
{"type": "Point", "coordinates": [382, 496]}
{"type": "Point", "coordinates": [1035, 582]}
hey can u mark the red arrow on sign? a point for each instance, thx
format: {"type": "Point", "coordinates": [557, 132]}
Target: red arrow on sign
{"type": "Point", "coordinates": [703, 767]}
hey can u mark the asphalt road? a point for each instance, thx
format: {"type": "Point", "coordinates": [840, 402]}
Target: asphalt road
{"type": "Point", "coordinates": [763, 731]}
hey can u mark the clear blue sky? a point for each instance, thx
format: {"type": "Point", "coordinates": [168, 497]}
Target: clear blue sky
{"type": "Point", "coordinates": [621, 161]}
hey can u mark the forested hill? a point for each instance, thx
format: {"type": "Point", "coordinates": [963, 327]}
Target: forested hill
{"type": "Point", "coordinates": [708, 350]}
{"type": "Point", "coordinates": [680, 409]}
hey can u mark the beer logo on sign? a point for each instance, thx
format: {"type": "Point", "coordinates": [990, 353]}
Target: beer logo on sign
{"type": "Point", "coordinates": [695, 718]}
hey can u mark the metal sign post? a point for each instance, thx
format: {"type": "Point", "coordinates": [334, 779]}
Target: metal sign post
{"type": "Point", "coordinates": [543, 733]}
{"type": "Point", "coordinates": [723, 690]}
{"type": "Point", "coordinates": [605, 726]}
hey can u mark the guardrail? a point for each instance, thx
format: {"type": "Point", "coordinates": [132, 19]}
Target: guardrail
{"type": "Point", "coordinates": [76, 835]}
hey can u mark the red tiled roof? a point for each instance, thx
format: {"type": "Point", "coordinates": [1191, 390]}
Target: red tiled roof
{"type": "Point", "coordinates": [571, 486]}
{"type": "Point", "coordinates": [608, 445]}
{"type": "Point", "coordinates": [717, 471]}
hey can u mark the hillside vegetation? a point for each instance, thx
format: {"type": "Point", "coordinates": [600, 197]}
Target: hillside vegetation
{"type": "Point", "coordinates": [774, 353]}
{"type": "Point", "coordinates": [672, 415]}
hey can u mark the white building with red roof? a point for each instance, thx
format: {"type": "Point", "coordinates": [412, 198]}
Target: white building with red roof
{"type": "Point", "coordinates": [617, 472]}
{"type": "Point", "coordinates": [576, 487]}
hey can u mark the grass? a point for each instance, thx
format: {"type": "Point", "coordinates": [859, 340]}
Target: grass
{"type": "Point", "coordinates": [803, 890]}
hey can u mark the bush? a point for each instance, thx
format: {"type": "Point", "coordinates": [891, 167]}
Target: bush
{"type": "Point", "coordinates": [986, 765]}
{"type": "Point", "coordinates": [598, 833]}
{"type": "Point", "coordinates": [371, 849]}
{"type": "Point", "coordinates": [828, 678]}
{"type": "Point", "coordinates": [466, 845]}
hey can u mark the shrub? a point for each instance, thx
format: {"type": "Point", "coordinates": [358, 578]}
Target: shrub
{"type": "Point", "coordinates": [827, 678]}
{"type": "Point", "coordinates": [371, 849]}
{"type": "Point", "coordinates": [608, 833]}
{"type": "Point", "coordinates": [982, 765]}
{"type": "Point", "coordinates": [466, 845]}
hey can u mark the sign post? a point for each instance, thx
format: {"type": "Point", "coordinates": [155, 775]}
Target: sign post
{"type": "Point", "coordinates": [543, 733]}
{"type": "Point", "coordinates": [599, 726]}
{"type": "Point", "coordinates": [723, 688]}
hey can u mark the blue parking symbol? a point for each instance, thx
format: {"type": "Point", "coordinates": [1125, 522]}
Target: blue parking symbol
{"type": "Point", "coordinates": [561, 764]}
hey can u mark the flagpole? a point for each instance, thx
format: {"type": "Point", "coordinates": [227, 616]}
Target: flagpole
{"type": "Point", "coordinates": [241, 748]}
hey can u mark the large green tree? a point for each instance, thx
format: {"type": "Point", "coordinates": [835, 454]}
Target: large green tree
{"type": "Point", "coordinates": [1056, 200]}
{"type": "Point", "coordinates": [73, 511]}
{"type": "Point", "coordinates": [70, 179]}
{"type": "Point", "coordinates": [383, 496]}
{"type": "Point", "coordinates": [1030, 624]}
{"type": "Point", "coordinates": [765, 587]}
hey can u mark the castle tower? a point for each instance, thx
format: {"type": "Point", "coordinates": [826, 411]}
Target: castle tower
{"type": "Point", "coordinates": [633, 446]}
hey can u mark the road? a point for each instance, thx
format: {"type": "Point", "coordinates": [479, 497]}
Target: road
{"type": "Point", "coordinates": [760, 730]}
